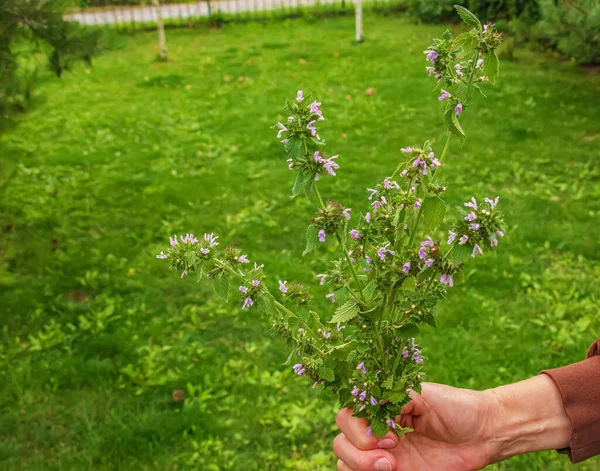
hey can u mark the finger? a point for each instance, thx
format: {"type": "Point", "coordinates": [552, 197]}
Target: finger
{"type": "Point", "coordinates": [341, 466]}
{"type": "Point", "coordinates": [358, 432]}
{"type": "Point", "coordinates": [361, 460]}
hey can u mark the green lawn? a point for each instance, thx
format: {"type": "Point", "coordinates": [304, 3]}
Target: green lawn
{"type": "Point", "coordinates": [108, 162]}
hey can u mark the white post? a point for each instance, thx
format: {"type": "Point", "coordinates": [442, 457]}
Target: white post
{"type": "Point", "coordinates": [162, 41]}
{"type": "Point", "coordinates": [359, 28]}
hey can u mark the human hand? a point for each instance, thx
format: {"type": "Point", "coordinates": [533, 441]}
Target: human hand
{"type": "Point", "coordinates": [459, 429]}
{"type": "Point", "coordinates": [448, 424]}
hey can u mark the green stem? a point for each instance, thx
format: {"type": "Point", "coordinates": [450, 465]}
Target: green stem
{"type": "Point", "coordinates": [345, 249]}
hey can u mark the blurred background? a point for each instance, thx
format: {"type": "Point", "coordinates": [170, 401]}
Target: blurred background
{"type": "Point", "coordinates": [114, 137]}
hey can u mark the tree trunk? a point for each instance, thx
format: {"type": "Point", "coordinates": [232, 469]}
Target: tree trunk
{"type": "Point", "coordinates": [162, 41]}
{"type": "Point", "coordinates": [359, 24]}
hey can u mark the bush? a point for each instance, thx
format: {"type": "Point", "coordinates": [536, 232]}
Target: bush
{"type": "Point", "coordinates": [494, 10]}
{"type": "Point", "coordinates": [570, 27]}
{"type": "Point", "coordinates": [431, 11]}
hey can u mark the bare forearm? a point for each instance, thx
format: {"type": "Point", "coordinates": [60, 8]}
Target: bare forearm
{"type": "Point", "coordinates": [527, 416]}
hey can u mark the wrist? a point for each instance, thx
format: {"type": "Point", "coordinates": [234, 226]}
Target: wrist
{"type": "Point", "coordinates": [525, 417]}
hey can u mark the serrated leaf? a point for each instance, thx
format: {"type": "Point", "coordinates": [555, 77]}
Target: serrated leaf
{"type": "Point", "coordinates": [312, 239]}
{"type": "Point", "coordinates": [409, 284]}
{"type": "Point", "coordinates": [408, 331]}
{"type": "Point", "coordinates": [388, 383]}
{"type": "Point", "coordinates": [369, 290]}
{"type": "Point", "coordinates": [294, 147]}
{"type": "Point", "coordinates": [468, 17]}
{"type": "Point", "coordinates": [452, 123]}
{"type": "Point", "coordinates": [434, 212]}
{"type": "Point", "coordinates": [461, 253]}
{"type": "Point", "coordinates": [221, 286]}
{"type": "Point", "coordinates": [341, 295]}
{"type": "Point", "coordinates": [299, 183]}
{"type": "Point", "coordinates": [346, 312]}
{"type": "Point", "coordinates": [266, 304]}
{"type": "Point", "coordinates": [394, 396]}
{"type": "Point", "coordinates": [492, 66]}
{"type": "Point", "coordinates": [462, 38]}
{"type": "Point", "coordinates": [478, 88]}
{"type": "Point", "coordinates": [379, 428]}
{"type": "Point", "coordinates": [326, 373]}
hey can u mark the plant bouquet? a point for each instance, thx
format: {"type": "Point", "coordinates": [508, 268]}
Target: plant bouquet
{"type": "Point", "coordinates": [391, 273]}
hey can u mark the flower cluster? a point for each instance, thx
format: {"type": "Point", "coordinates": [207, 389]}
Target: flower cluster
{"type": "Point", "coordinates": [391, 271]}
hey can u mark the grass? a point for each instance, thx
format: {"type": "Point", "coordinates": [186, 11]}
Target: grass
{"type": "Point", "coordinates": [110, 161]}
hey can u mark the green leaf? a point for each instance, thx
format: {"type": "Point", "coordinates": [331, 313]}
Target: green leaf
{"type": "Point", "coordinates": [299, 183]}
{"type": "Point", "coordinates": [468, 17]}
{"type": "Point", "coordinates": [388, 383]}
{"type": "Point", "coordinates": [407, 331]}
{"type": "Point", "coordinates": [409, 284]}
{"type": "Point", "coordinates": [266, 304]}
{"type": "Point", "coordinates": [394, 396]}
{"type": "Point", "coordinates": [294, 147]}
{"type": "Point", "coordinates": [221, 286]}
{"type": "Point", "coordinates": [492, 66]}
{"type": "Point", "coordinates": [461, 253]}
{"type": "Point", "coordinates": [312, 239]}
{"type": "Point", "coordinates": [462, 38]}
{"type": "Point", "coordinates": [461, 91]}
{"type": "Point", "coordinates": [478, 88]}
{"type": "Point", "coordinates": [452, 123]}
{"type": "Point", "coordinates": [346, 312]}
{"type": "Point", "coordinates": [369, 290]}
{"type": "Point", "coordinates": [326, 373]}
{"type": "Point", "coordinates": [379, 428]}
{"type": "Point", "coordinates": [434, 212]}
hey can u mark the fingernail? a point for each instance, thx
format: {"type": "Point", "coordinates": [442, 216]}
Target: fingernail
{"type": "Point", "coordinates": [382, 464]}
{"type": "Point", "coordinates": [386, 443]}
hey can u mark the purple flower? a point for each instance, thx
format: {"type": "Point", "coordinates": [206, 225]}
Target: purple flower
{"type": "Point", "coordinates": [431, 70]}
{"type": "Point", "coordinates": [429, 262]}
{"type": "Point", "coordinates": [406, 149]}
{"type": "Point", "coordinates": [405, 352]}
{"type": "Point", "coordinates": [361, 368]}
{"type": "Point", "coordinates": [383, 250]}
{"type": "Point", "coordinates": [485, 27]}
{"type": "Point", "coordinates": [329, 165]}
{"type": "Point", "coordinates": [446, 280]}
{"type": "Point", "coordinates": [331, 296]}
{"type": "Point", "coordinates": [428, 242]}
{"type": "Point", "coordinates": [368, 218]}
{"type": "Point", "coordinates": [321, 235]}
{"type": "Point", "coordinates": [388, 185]}
{"type": "Point", "coordinates": [355, 391]}
{"type": "Point", "coordinates": [369, 432]}
{"type": "Point", "coordinates": [470, 217]}
{"type": "Point", "coordinates": [493, 240]}
{"type": "Point", "coordinates": [362, 396]}
{"type": "Point", "coordinates": [346, 213]}
{"type": "Point", "coordinates": [211, 239]}
{"type": "Point", "coordinates": [472, 203]}
{"type": "Point", "coordinates": [243, 259]}
{"type": "Point", "coordinates": [474, 227]}
{"type": "Point", "coordinates": [458, 68]}
{"type": "Point", "coordinates": [406, 267]}
{"type": "Point", "coordinates": [355, 234]}
{"type": "Point", "coordinates": [311, 127]}
{"type": "Point", "coordinates": [500, 233]}
{"type": "Point", "coordinates": [255, 283]}
{"type": "Point", "coordinates": [326, 335]}
{"type": "Point", "coordinates": [493, 202]}
{"type": "Point", "coordinates": [258, 267]}
{"type": "Point", "coordinates": [422, 163]}
{"type": "Point", "coordinates": [314, 108]}
{"type": "Point", "coordinates": [161, 255]}
{"type": "Point", "coordinates": [444, 95]}
{"type": "Point", "coordinates": [301, 372]}
{"type": "Point", "coordinates": [173, 241]}
{"type": "Point", "coordinates": [285, 141]}
{"type": "Point", "coordinates": [297, 367]}
{"type": "Point", "coordinates": [463, 240]}
{"type": "Point", "coordinates": [189, 239]}
{"type": "Point", "coordinates": [290, 118]}
{"type": "Point", "coordinates": [282, 129]}
{"type": "Point", "coordinates": [451, 236]}
{"type": "Point", "coordinates": [476, 250]}
{"type": "Point", "coordinates": [458, 109]}
{"type": "Point", "coordinates": [322, 277]}
{"type": "Point", "coordinates": [436, 163]}
{"type": "Point", "coordinates": [431, 55]}
{"type": "Point", "coordinates": [283, 287]}
{"type": "Point", "coordinates": [340, 327]}
{"type": "Point", "coordinates": [373, 401]}
{"type": "Point", "coordinates": [417, 204]}
{"type": "Point", "coordinates": [243, 289]}
{"type": "Point", "coordinates": [290, 163]}
{"type": "Point", "coordinates": [299, 96]}
{"type": "Point", "coordinates": [204, 250]}
{"type": "Point", "coordinates": [403, 173]}
{"type": "Point", "coordinates": [184, 273]}
{"type": "Point", "coordinates": [422, 253]}
{"type": "Point", "coordinates": [248, 303]}
{"type": "Point", "coordinates": [373, 193]}
{"type": "Point", "coordinates": [479, 63]}
{"type": "Point", "coordinates": [368, 259]}
{"type": "Point", "coordinates": [390, 423]}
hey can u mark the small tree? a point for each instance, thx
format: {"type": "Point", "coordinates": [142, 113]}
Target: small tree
{"type": "Point", "coordinates": [38, 22]}
{"type": "Point", "coordinates": [162, 40]}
